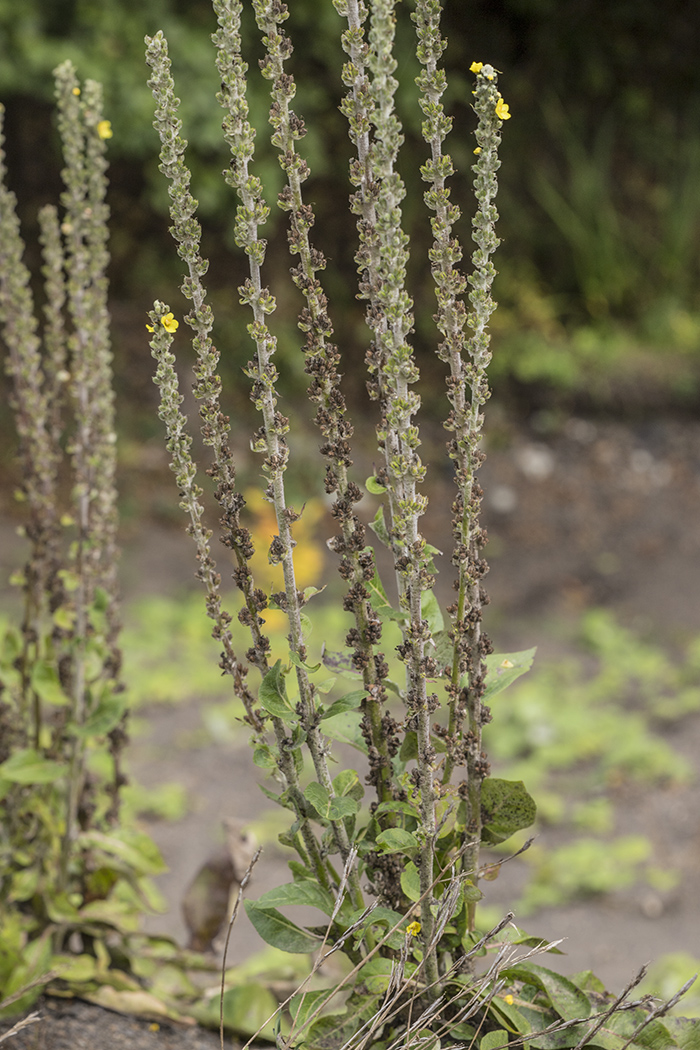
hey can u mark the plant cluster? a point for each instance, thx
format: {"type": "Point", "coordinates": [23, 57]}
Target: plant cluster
{"type": "Point", "coordinates": [73, 876]}
{"type": "Point", "coordinates": [393, 870]}
{"type": "Point", "coordinates": [397, 879]}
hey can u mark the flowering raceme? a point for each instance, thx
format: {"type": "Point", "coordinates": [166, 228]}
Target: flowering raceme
{"type": "Point", "coordinates": [169, 323]}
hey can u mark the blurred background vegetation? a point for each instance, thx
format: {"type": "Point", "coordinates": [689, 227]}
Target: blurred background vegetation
{"type": "Point", "coordinates": [599, 283]}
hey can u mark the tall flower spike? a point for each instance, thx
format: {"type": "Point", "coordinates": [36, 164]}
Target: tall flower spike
{"type": "Point", "coordinates": [215, 425]}
{"type": "Point", "coordinates": [252, 211]}
{"type": "Point", "coordinates": [471, 644]}
{"type": "Point", "coordinates": [381, 261]}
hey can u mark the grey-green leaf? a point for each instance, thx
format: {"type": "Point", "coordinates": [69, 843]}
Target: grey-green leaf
{"type": "Point", "coordinates": [506, 807]}
{"type": "Point", "coordinates": [280, 932]}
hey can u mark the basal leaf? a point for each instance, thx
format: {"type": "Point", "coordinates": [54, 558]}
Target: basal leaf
{"type": "Point", "coordinates": [494, 1039]}
{"type": "Point", "coordinates": [280, 932]}
{"type": "Point", "coordinates": [568, 1000]}
{"type": "Point", "coordinates": [302, 1005]}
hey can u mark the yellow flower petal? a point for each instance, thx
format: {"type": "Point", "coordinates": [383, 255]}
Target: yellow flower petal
{"type": "Point", "coordinates": [476, 67]}
{"type": "Point", "coordinates": [508, 999]}
{"type": "Point", "coordinates": [413, 929]}
{"type": "Point", "coordinates": [477, 150]}
{"type": "Point", "coordinates": [104, 129]}
{"type": "Point", "coordinates": [169, 323]}
{"type": "Point", "coordinates": [149, 327]}
{"type": "Point", "coordinates": [76, 90]}
{"type": "Point", "coordinates": [502, 111]}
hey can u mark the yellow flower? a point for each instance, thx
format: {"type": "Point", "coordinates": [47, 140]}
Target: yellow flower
{"type": "Point", "coordinates": [508, 999]}
{"type": "Point", "coordinates": [502, 111]}
{"type": "Point", "coordinates": [477, 150]}
{"type": "Point", "coordinates": [169, 323]}
{"type": "Point", "coordinates": [149, 327]}
{"type": "Point", "coordinates": [413, 929]}
{"type": "Point", "coordinates": [76, 90]}
{"type": "Point", "coordinates": [104, 129]}
{"type": "Point", "coordinates": [476, 67]}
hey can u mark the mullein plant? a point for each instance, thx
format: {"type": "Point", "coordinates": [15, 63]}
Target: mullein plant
{"type": "Point", "coordinates": [422, 825]}
{"type": "Point", "coordinates": [398, 881]}
{"type": "Point", "coordinates": [71, 876]}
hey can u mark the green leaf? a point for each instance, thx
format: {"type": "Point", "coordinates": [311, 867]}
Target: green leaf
{"type": "Point", "coordinates": [348, 783]}
{"type": "Point", "coordinates": [396, 840]}
{"type": "Point", "coordinates": [410, 882]}
{"type": "Point", "coordinates": [340, 808]}
{"type": "Point", "coordinates": [45, 682]}
{"type": "Point", "coordinates": [431, 611]}
{"type": "Point", "coordinates": [494, 1039]}
{"type": "Point", "coordinates": [685, 1031]}
{"type": "Point", "coordinates": [105, 717]}
{"type": "Point", "coordinates": [298, 662]}
{"type": "Point", "coordinates": [319, 798]}
{"type": "Point", "coordinates": [568, 1000]}
{"type": "Point", "coordinates": [64, 617]}
{"type": "Point", "coordinates": [335, 1030]}
{"type": "Point", "coordinates": [378, 527]}
{"type": "Point", "coordinates": [346, 728]}
{"type": "Point", "coordinates": [281, 932]}
{"type": "Point", "coordinates": [263, 757]}
{"type": "Point", "coordinates": [74, 967]}
{"type": "Point", "coordinates": [349, 702]}
{"type": "Point", "coordinates": [303, 1004]}
{"type": "Point", "coordinates": [409, 747]}
{"type": "Point", "coordinates": [506, 807]}
{"type": "Point", "coordinates": [340, 663]}
{"type": "Point", "coordinates": [307, 893]}
{"type": "Point", "coordinates": [374, 486]}
{"type": "Point", "coordinates": [502, 669]}
{"type": "Point", "coordinates": [272, 694]}
{"type": "Point", "coordinates": [134, 848]}
{"type": "Point", "coordinates": [28, 766]}
{"type": "Point", "coordinates": [376, 974]}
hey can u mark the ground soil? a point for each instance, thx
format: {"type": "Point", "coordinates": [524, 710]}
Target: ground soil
{"type": "Point", "coordinates": [584, 513]}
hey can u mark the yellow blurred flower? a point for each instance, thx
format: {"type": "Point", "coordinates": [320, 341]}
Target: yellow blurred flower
{"type": "Point", "coordinates": [476, 67]}
{"type": "Point", "coordinates": [104, 129]}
